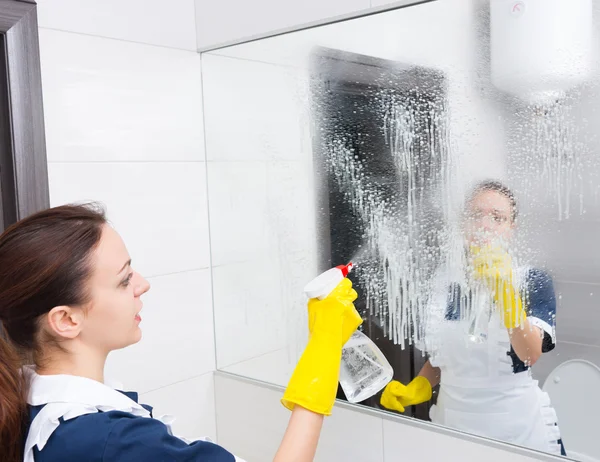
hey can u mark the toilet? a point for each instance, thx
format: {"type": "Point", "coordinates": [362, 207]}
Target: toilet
{"type": "Point", "coordinates": [573, 388]}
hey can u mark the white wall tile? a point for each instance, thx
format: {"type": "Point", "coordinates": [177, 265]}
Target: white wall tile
{"type": "Point", "coordinates": [255, 111]}
{"type": "Point", "coordinates": [178, 341]}
{"type": "Point", "coordinates": [275, 367]}
{"type": "Point", "coordinates": [566, 247]}
{"type": "Point", "coordinates": [159, 208]}
{"type": "Point", "coordinates": [405, 442]}
{"type": "Point", "coordinates": [577, 314]}
{"type": "Point", "coordinates": [238, 204]}
{"type": "Point", "coordinates": [258, 439]}
{"type": "Point", "coordinates": [345, 426]}
{"type": "Point", "coordinates": [249, 312]}
{"type": "Point", "coordinates": [271, 205]}
{"type": "Point", "coordinates": [191, 402]}
{"type": "Point", "coordinates": [169, 24]}
{"type": "Point", "coordinates": [262, 208]}
{"type": "Point", "coordinates": [264, 251]}
{"type": "Point", "coordinates": [227, 20]}
{"type": "Point", "coordinates": [252, 431]}
{"type": "Point", "coordinates": [262, 218]}
{"type": "Point", "coordinates": [111, 100]}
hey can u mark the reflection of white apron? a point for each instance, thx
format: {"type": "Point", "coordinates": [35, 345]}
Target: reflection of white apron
{"type": "Point", "coordinates": [481, 394]}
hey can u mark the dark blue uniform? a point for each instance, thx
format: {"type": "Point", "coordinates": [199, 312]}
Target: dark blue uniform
{"type": "Point", "coordinates": [117, 436]}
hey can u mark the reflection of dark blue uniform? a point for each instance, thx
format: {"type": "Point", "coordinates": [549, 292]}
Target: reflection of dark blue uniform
{"type": "Point", "coordinates": [120, 436]}
{"type": "Point", "coordinates": [540, 301]}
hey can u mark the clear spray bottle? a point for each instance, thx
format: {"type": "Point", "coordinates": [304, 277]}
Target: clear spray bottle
{"type": "Point", "coordinates": [364, 370]}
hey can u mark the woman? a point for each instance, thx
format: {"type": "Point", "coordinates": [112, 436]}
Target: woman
{"type": "Point", "coordinates": [68, 297]}
{"type": "Point", "coordinates": [495, 323]}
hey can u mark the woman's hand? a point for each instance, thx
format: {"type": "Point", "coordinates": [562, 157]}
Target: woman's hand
{"type": "Point", "coordinates": [397, 396]}
{"type": "Point", "coordinates": [312, 389]}
{"type": "Point", "coordinates": [493, 267]}
{"type": "Point", "coordinates": [331, 322]}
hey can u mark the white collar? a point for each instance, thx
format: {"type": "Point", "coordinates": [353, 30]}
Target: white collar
{"type": "Point", "coordinates": [47, 389]}
{"type": "Point", "coordinates": [67, 397]}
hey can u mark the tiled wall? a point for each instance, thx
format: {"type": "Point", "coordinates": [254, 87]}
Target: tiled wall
{"type": "Point", "coordinates": [123, 108]}
{"type": "Point", "coordinates": [347, 435]}
{"type": "Point", "coordinates": [261, 208]}
{"type": "Point", "coordinates": [141, 21]}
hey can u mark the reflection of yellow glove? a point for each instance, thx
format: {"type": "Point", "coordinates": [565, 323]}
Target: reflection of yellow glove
{"type": "Point", "coordinates": [494, 268]}
{"type": "Point", "coordinates": [331, 323]}
{"type": "Point", "coordinates": [397, 396]}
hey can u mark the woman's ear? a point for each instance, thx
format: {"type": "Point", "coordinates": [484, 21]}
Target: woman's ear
{"type": "Point", "coordinates": [65, 322]}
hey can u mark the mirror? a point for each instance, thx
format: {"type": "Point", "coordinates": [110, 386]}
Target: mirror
{"type": "Point", "coordinates": [451, 154]}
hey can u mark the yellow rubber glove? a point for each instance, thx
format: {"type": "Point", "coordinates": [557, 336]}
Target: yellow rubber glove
{"type": "Point", "coordinates": [397, 396]}
{"type": "Point", "coordinates": [493, 266]}
{"type": "Point", "coordinates": [331, 323]}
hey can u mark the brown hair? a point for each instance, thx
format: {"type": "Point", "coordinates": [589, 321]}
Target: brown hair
{"type": "Point", "coordinates": [44, 263]}
{"type": "Point", "coordinates": [496, 186]}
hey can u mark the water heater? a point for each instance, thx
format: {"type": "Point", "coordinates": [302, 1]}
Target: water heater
{"type": "Point", "coordinates": [540, 48]}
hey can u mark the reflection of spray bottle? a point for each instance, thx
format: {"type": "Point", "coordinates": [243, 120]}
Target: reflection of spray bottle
{"type": "Point", "coordinates": [364, 370]}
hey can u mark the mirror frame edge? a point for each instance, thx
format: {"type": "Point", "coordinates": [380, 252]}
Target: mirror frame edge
{"type": "Point", "coordinates": [23, 160]}
{"type": "Point", "coordinates": [396, 5]}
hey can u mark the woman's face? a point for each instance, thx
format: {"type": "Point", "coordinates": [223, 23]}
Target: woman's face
{"type": "Point", "coordinates": [489, 219]}
{"type": "Point", "coordinates": [112, 318]}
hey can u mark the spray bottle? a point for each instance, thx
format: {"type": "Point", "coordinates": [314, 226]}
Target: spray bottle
{"type": "Point", "coordinates": [364, 370]}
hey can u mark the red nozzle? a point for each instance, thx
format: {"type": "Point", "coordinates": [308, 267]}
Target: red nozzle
{"type": "Point", "coordinates": [345, 269]}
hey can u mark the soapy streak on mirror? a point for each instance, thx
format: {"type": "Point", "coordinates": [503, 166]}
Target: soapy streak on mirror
{"type": "Point", "coordinates": [398, 290]}
{"type": "Point", "coordinates": [398, 287]}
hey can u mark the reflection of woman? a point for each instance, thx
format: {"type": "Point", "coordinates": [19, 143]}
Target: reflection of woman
{"type": "Point", "coordinates": [482, 367]}
{"type": "Point", "coordinates": [69, 296]}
